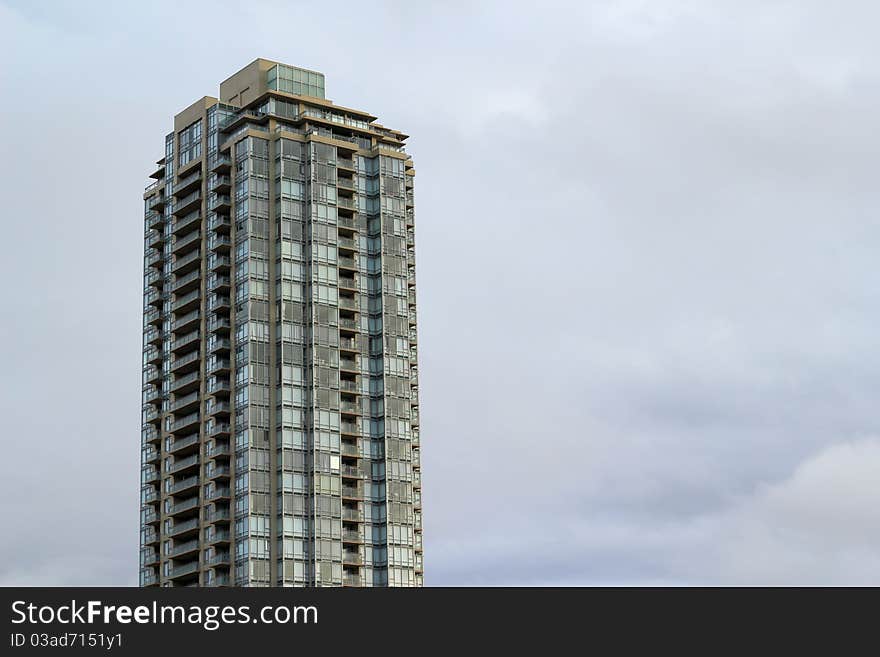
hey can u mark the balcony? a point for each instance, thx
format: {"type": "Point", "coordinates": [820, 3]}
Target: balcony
{"type": "Point", "coordinates": [346, 222]}
{"type": "Point", "coordinates": [350, 450]}
{"type": "Point", "coordinates": [349, 408]}
{"type": "Point", "coordinates": [155, 220]}
{"type": "Point", "coordinates": [153, 317]}
{"type": "Point", "coordinates": [347, 343]}
{"type": "Point", "coordinates": [187, 505]}
{"type": "Point", "coordinates": [218, 345]}
{"type": "Point", "coordinates": [346, 203]}
{"type": "Point", "coordinates": [181, 529]}
{"type": "Point", "coordinates": [157, 202]}
{"type": "Point", "coordinates": [187, 282]}
{"type": "Point", "coordinates": [153, 277]}
{"type": "Point", "coordinates": [351, 558]}
{"type": "Point", "coordinates": [346, 243]}
{"type": "Point", "coordinates": [185, 422]}
{"type": "Point", "coordinates": [151, 413]}
{"type": "Point", "coordinates": [219, 429]}
{"type": "Point", "coordinates": [348, 283]}
{"type": "Point", "coordinates": [183, 549]}
{"type": "Point", "coordinates": [219, 580]}
{"type": "Point", "coordinates": [348, 324]}
{"type": "Point", "coordinates": [152, 355]}
{"type": "Point", "coordinates": [348, 303]}
{"type": "Point", "coordinates": [149, 475]}
{"type": "Point", "coordinates": [187, 320]}
{"type": "Point", "coordinates": [153, 336]}
{"type": "Point", "coordinates": [185, 485]}
{"type": "Point", "coordinates": [186, 263]}
{"type": "Point", "coordinates": [149, 455]}
{"type": "Point", "coordinates": [349, 536]}
{"type": "Point", "coordinates": [352, 471]}
{"type": "Point", "coordinates": [218, 536]}
{"type": "Point", "coordinates": [150, 434]}
{"type": "Point", "coordinates": [221, 184]}
{"type": "Point", "coordinates": [150, 515]}
{"type": "Point", "coordinates": [345, 183]}
{"type": "Point", "coordinates": [352, 514]}
{"type": "Point", "coordinates": [149, 495]}
{"type": "Point", "coordinates": [221, 203]}
{"type": "Point", "coordinates": [150, 536]}
{"type": "Point", "coordinates": [219, 408]}
{"type": "Point", "coordinates": [185, 444]}
{"type": "Point", "coordinates": [152, 257]}
{"type": "Point", "coordinates": [352, 492]}
{"type": "Point", "coordinates": [221, 558]}
{"type": "Point", "coordinates": [187, 382]}
{"type": "Point", "coordinates": [192, 221]}
{"type": "Point", "coordinates": [191, 568]}
{"type": "Point", "coordinates": [218, 302]}
{"type": "Point", "coordinates": [219, 449]}
{"type": "Point", "coordinates": [345, 163]}
{"type": "Point", "coordinates": [188, 183]}
{"type": "Point", "coordinates": [219, 324]}
{"type": "Point", "coordinates": [351, 580]}
{"type": "Point", "coordinates": [218, 283]}
{"type": "Point", "coordinates": [187, 203]}
{"type": "Point", "coordinates": [349, 386]}
{"type": "Point", "coordinates": [219, 263]}
{"type": "Point", "coordinates": [218, 242]}
{"type": "Point", "coordinates": [218, 472]}
{"type": "Point", "coordinates": [221, 163]}
{"type": "Point", "coordinates": [152, 298]}
{"type": "Point", "coordinates": [219, 493]}
{"type": "Point", "coordinates": [220, 223]}
{"type": "Point", "coordinates": [221, 385]}
{"type": "Point", "coordinates": [186, 343]}
{"type": "Point", "coordinates": [348, 365]}
{"type": "Point", "coordinates": [219, 366]}
{"type": "Point", "coordinates": [347, 262]}
{"type": "Point", "coordinates": [185, 243]}
{"type": "Point", "coordinates": [218, 516]}
{"type": "Point", "coordinates": [186, 303]}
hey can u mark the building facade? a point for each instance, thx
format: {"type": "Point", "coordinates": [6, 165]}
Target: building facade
{"type": "Point", "coordinates": [280, 425]}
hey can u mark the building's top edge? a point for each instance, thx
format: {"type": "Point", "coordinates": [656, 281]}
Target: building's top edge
{"type": "Point", "coordinates": [264, 63]}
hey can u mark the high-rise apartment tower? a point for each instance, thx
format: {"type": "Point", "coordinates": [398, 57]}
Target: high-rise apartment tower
{"type": "Point", "coordinates": [280, 426]}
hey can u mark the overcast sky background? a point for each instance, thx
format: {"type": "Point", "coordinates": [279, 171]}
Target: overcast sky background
{"type": "Point", "coordinates": [647, 244]}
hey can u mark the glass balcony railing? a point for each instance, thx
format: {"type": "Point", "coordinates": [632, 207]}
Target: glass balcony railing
{"type": "Point", "coordinates": [186, 319]}
{"type": "Point", "coordinates": [181, 381]}
{"type": "Point", "coordinates": [187, 182]}
{"type": "Point", "coordinates": [218, 515]}
{"type": "Point", "coordinates": [180, 244]}
{"type": "Point", "coordinates": [348, 303]}
{"type": "Point", "coordinates": [181, 527]}
{"type": "Point", "coordinates": [184, 505]}
{"type": "Point", "coordinates": [346, 222]}
{"type": "Point", "coordinates": [180, 263]}
{"type": "Point", "coordinates": [185, 548]}
{"type": "Point", "coordinates": [185, 569]}
{"type": "Point", "coordinates": [185, 422]}
{"type": "Point", "coordinates": [183, 443]}
{"type": "Point", "coordinates": [185, 484]}
{"type": "Point", "coordinates": [182, 464]}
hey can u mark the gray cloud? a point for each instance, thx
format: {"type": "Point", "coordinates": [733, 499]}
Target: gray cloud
{"type": "Point", "coordinates": [646, 242]}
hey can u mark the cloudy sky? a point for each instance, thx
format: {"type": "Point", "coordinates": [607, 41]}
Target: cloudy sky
{"type": "Point", "coordinates": [647, 238]}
